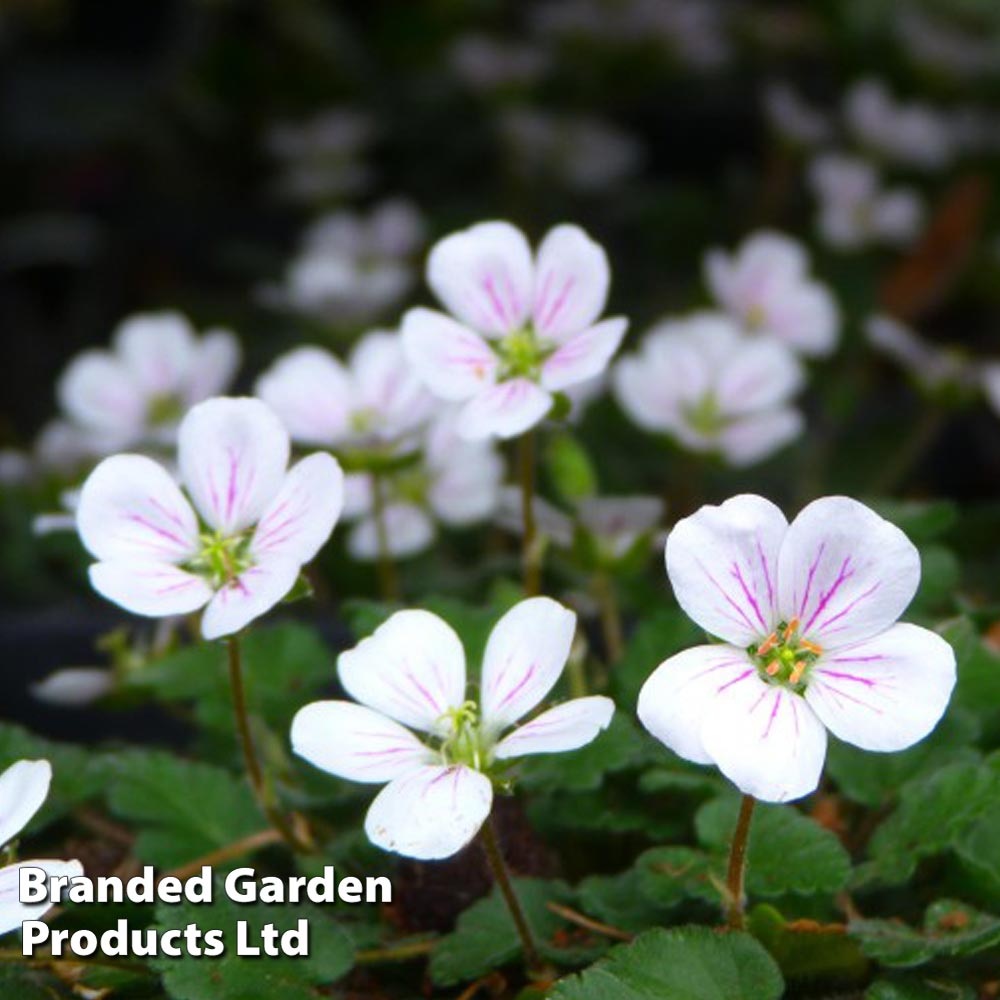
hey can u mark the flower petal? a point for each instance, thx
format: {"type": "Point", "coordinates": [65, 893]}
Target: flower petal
{"type": "Point", "coordinates": [762, 373]}
{"type": "Point", "coordinates": [12, 911]}
{"type": "Point", "coordinates": [678, 696]}
{"type": "Point", "coordinates": [158, 349]}
{"type": "Point", "coordinates": [504, 410]}
{"type": "Point", "coordinates": [484, 276]}
{"type": "Point", "coordinates": [72, 687]}
{"type": "Point", "coordinates": [757, 436]}
{"type": "Point", "coordinates": [387, 384]}
{"type": "Point", "coordinates": [766, 740]}
{"type": "Point", "coordinates": [565, 727]}
{"type": "Point", "coordinates": [131, 508]}
{"type": "Point", "coordinates": [98, 391]}
{"type": "Point", "coordinates": [408, 531]}
{"type": "Point", "coordinates": [251, 594]}
{"type": "Point", "coordinates": [411, 668]}
{"type": "Point", "coordinates": [453, 361]}
{"type": "Point", "coordinates": [153, 589]}
{"type": "Point", "coordinates": [885, 693]}
{"type": "Point", "coordinates": [298, 521]}
{"type": "Point", "coordinates": [844, 572]}
{"type": "Point", "coordinates": [312, 393]}
{"type": "Point", "coordinates": [723, 565]}
{"type": "Point", "coordinates": [233, 454]}
{"type": "Point", "coordinates": [806, 318]}
{"type": "Point", "coordinates": [571, 283]}
{"type": "Point", "coordinates": [354, 742]}
{"type": "Point", "coordinates": [526, 652]}
{"type": "Point", "coordinates": [217, 357]}
{"type": "Point", "coordinates": [431, 813]}
{"type": "Point", "coordinates": [466, 486]}
{"type": "Point", "coordinates": [583, 355]}
{"type": "Point", "coordinates": [23, 788]}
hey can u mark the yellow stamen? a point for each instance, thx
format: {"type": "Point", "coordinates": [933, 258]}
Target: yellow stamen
{"type": "Point", "coordinates": [768, 644]}
{"type": "Point", "coordinates": [797, 672]}
{"type": "Point", "coordinates": [791, 629]}
{"type": "Point", "coordinates": [811, 647]}
{"type": "Point", "coordinates": [772, 668]}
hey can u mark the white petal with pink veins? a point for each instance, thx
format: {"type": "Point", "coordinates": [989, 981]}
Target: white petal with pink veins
{"type": "Point", "coordinates": [233, 454]}
{"type": "Point", "coordinates": [23, 788]}
{"type": "Point", "coordinates": [723, 565]}
{"type": "Point", "coordinates": [131, 508]}
{"type": "Point", "coordinates": [885, 693]}
{"type": "Point", "coordinates": [298, 521]}
{"type": "Point", "coordinates": [678, 696]}
{"type": "Point", "coordinates": [466, 488]}
{"type": "Point", "coordinates": [453, 361]}
{"type": "Point", "coordinates": [571, 282]}
{"type": "Point", "coordinates": [153, 589]}
{"type": "Point", "coordinates": [760, 374]}
{"type": "Point", "coordinates": [504, 410]}
{"type": "Point", "coordinates": [566, 727]}
{"type": "Point", "coordinates": [583, 355]}
{"type": "Point", "coordinates": [216, 359]}
{"type": "Point", "coordinates": [805, 318]}
{"type": "Point", "coordinates": [12, 910]}
{"type": "Point", "coordinates": [412, 669]}
{"type": "Point", "coordinates": [430, 813]}
{"type": "Point", "coordinates": [386, 383]}
{"type": "Point", "coordinates": [158, 349]}
{"type": "Point", "coordinates": [408, 530]}
{"type": "Point", "coordinates": [99, 392]}
{"type": "Point", "coordinates": [757, 436]}
{"type": "Point", "coordinates": [354, 742]}
{"type": "Point", "coordinates": [251, 594]}
{"type": "Point", "coordinates": [526, 652]}
{"type": "Point", "coordinates": [766, 740]}
{"type": "Point", "coordinates": [845, 573]}
{"type": "Point", "coordinates": [484, 276]}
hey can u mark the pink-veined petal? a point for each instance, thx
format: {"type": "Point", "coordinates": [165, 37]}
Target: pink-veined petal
{"type": "Point", "coordinates": [766, 740]}
{"type": "Point", "coordinates": [484, 276]}
{"type": "Point", "coordinates": [565, 727]}
{"type": "Point", "coordinates": [761, 374]}
{"type": "Point", "coordinates": [678, 696]}
{"type": "Point", "coordinates": [131, 508]}
{"type": "Point", "coordinates": [430, 813]}
{"type": "Point", "coordinates": [233, 454]}
{"type": "Point", "coordinates": [453, 361]}
{"type": "Point", "coordinates": [844, 572]}
{"type": "Point", "coordinates": [354, 742]}
{"type": "Point", "coordinates": [466, 486]}
{"type": "Point", "coordinates": [387, 384]}
{"type": "Point", "coordinates": [98, 391]}
{"type": "Point", "coordinates": [885, 693]}
{"type": "Point", "coordinates": [723, 565]}
{"type": "Point", "coordinates": [153, 589]}
{"type": "Point", "coordinates": [504, 410]}
{"type": "Point", "coordinates": [158, 349]}
{"type": "Point", "coordinates": [757, 436]}
{"type": "Point", "coordinates": [12, 911]}
{"type": "Point", "coordinates": [298, 521]}
{"type": "Point", "coordinates": [23, 788]}
{"type": "Point", "coordinates": [411, 668]}
{"type": "Point", "coordinates": [253, 593]}
{"type": "Point", "coordinates": [583, 355]}
{"type": "Point", "coordinates": [571, 283]}
{"type": "Point", "coordinates": [217, 357]}
{"type": "Point", "coordinates": [408, 530]}
{"type": "Point", "coordinates": [805, 318]}
{"type": "Point", "coordinates": [526, 652]}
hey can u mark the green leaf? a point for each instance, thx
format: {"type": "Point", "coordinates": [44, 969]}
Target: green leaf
{"type": "Point", "coordinates": [787, 852]}
{"type": "Point", "coordinates": [619, 901]}
{"type": "Point", "coordinates": [951, 930]}
{"type": "Point", "coordinates": [922, 521]}
{"type": "Point", "coordinates": [569, 468]}
{"type": "Point", "coordinates": [20, 983]}
{"type": "Point", "coordinates": [686, 963]}
{"type": "Point", "coordinates": [667, 876]}
{"type": "Point", "coordinates": [911, 988]}
{"type": "Point", "coordinates": [184, 809]}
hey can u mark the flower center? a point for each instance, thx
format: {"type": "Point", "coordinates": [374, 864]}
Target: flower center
{"type": "Point", "coordinates": [222, 558]}
{"type": "Point", "coordinates": [522, 354]}
{"type": "Point", "coordinates": [464, 743]}
{"type": "Point", "coordinates": [755, 318]}
{"type": "Point", "coordinates": [705, 416]}
{"type": "Point", "coordinates": [164, 410]}
{"type": "Point", "coordinates": [785, 658]}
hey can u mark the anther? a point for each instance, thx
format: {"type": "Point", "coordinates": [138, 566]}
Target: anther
{"type": "Point", "coordinates": [772, 668]}
{"type": "Point", "coordinates": [797, 672]}
{"type": "Point", "coordinates": [768, 644]}
{"type": "Point", "coordinates": [811, 647]}
{"type": "Point", "coordinates": [791, 629]}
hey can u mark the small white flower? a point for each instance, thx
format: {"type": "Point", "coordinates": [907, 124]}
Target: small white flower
{"type": "Point", "coordinates": [793, 118]}
{"type": "Point", "coordinates": [807, 614]}
{"type": "Point", "coordinates": [712, 389]}
{"type": "Point", "coordinates": [373, 403]}
{"type": "Point", "coordinates": [484, 63]}
{"type": "Point", "coordinates": [72, 687]}
{"type": "Point", "coordinates": [137, 392]}
{"type": "Point", "coordinates": [765, 286]}
{"type": "Point", "coordinates": [854, 211]}
{"type": "Point", "coordinates": [51, 523]}
{"type": "Point", "coordinates": [411, 675]}
{"type": "Point", "coordinates": [524, 327]}
{"type": "Point", "coordinates": [237, 547]}
{"type": "Point", "coordinates": [23, 788]}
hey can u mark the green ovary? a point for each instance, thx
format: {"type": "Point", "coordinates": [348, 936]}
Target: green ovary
{"type": "Point", "coordinates": [464, 744]}
{"type": "Point", "coordinates": [522, 354]}
{"type": "Point", "coordinates": [222, 558]}
{"type": "Point", "coordinates": [785, 658]}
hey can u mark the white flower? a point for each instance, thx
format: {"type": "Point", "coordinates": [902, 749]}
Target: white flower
{"type": "Point", "coordinates": [485, 63]}
{"type": "Point", "coordinates": [51, 523]}
{"type": "Point", "coordinates": [411, 675]}
{"type": "Point", "coordinates": [374, 402]}
{"type": "Point", "coordinates": [807, 614]}
{"type": "Point", "coordinates": [793, 118]}
{"type": "Point", "coordinates": [137, 392]}
{"type": "Point", "coordinates": [23, 788]}
{"type": "Point", "coordinates": [854, 211]}
{"type": "Point", "coordinates": [712, 389]}
{"type": "Point", "coordinates": [524, 327]}
{"type": "Point", "coordinates": [765, 286]}
{"type": "Point", "coordinates": [237, 546]}
{"type": "Point", "coordinates": [72, 687]}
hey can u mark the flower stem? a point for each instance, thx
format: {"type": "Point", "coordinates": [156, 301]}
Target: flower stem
{"type": "Point", "coordinates": [611, 619]}
{"type": "Point", "coordinates": [502, 878]}
{"type": "Point", "coordinates": [387, 579]}
{"type": "Point", "coordinates": [737, 865]}
{"type": "Point", "coordinates": [530, 552]}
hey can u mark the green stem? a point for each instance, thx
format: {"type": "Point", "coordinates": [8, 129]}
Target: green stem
{"type": "Point", "coordinates": [737, 865]}
{"type": "Point", "coordinates": [530, 552]}
{"type": "Point", "coordinates": [611, 619]}
{"type": "Point", "coordinates": [388, 580]}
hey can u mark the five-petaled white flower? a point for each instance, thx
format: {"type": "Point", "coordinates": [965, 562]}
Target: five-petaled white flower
{"type": "Point", "coordinates": [137, 392]}
{"type": "Point", "coordinates": [704, 383]}
{"type": "Point", "coordinates": [765, 286]}
{"type": "Point", "coordinates": [411, 673]}
{"type": "Point", "coordinates": [260, 521]}
{"type": "Point", "coordinates": [23, 788]}
{"type": "Point", "coordinates": [808, 617]}
{"type": "Point", "coordinates": [526, 327]}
